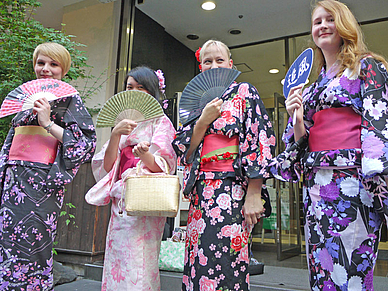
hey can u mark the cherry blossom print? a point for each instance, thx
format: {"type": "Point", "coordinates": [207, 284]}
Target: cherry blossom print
{"type": "Point", "coordinates": [219, 195]}
{"type": "Point", "coordinates": [224, 201]}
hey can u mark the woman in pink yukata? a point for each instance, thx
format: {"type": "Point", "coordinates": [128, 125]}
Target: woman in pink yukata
{"type": "Point", "coordinates": [133, 242]}
{"type": "Point", "coordinates": [223, 151]}
{"type": "Point", "coordinates": [339, 143]}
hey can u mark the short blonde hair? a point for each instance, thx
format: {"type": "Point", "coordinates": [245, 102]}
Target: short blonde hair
{"type": "Point", "coordinates": [55, 51]}
{"type": "Point", "coordinates": [218, 43]}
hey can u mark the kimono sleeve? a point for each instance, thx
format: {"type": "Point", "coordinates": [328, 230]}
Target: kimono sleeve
{"type": "Point", "coordinates": [161, 143]}
{"type": "Point", "coordinates": [98, 163]}
{"type": "Point", "coordinates": [181, 144]}
{"type": "Point", "coordinates": [4, 154]}
{"type": "Point", "coordinates": [257, 139]}
{"type": "Point", "coordinates": [374, 127]}
{"type": "Point", "coordinates": [79, 137]}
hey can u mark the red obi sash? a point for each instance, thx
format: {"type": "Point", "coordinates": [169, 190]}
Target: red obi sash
{"type": "Point", "coordinates": [127, 160]}
{"type": "Point", "coordinates": [335, 128]}
{"type": "Point", "coordinates": [218, 153]}
{"type": "Point", "coordinates": [33, 144]}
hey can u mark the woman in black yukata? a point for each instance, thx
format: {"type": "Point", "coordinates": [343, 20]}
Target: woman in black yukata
{"type": "Point", "coordinates": [41, 154]}
{"type": "Point", "coordinates": [223, 153]}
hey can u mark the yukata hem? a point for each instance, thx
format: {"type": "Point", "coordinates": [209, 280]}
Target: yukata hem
{"type": "Point", "coordinates": [333, 159]}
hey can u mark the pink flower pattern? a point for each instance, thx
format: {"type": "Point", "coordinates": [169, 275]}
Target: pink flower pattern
{"type": "Point", "coordinates": [219, 196]}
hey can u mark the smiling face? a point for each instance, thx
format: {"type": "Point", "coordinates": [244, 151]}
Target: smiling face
{"type": "Point", "coordinates": [215, 57]}
{"type": "Point", "coordinates": [324, 32]}
{"type": "Point", "coordinates": [133, 85]}
{"type": "Point", "coordinates": [46, 68]}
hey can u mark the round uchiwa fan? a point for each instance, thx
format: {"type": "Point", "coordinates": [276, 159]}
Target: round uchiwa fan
{"type": "Point", "coordinates": [202, 89]}
{"type": "Point", "coordinates": [135, 105]}
{"type": "Point", "coordinates": [24, 96]}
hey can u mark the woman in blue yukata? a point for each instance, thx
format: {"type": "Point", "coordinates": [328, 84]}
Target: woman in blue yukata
{"type": "Point", "coordinates": [340, 144]}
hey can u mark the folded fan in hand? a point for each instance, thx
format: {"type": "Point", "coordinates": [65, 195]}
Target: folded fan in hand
{"type": "Point", "coordinates": [202, 89]}
{"type": "Point", "coordinates": [24, 96]}
{"type": "Point", "coordinates": [135, 105]}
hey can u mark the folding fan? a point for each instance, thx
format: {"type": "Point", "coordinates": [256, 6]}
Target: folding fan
{"type": "Point", "coordinates": [202, 89]}
{"type": "Point", "coordinates": [24, 96]}
{"type": "Point", "coordinates": [135, 105]}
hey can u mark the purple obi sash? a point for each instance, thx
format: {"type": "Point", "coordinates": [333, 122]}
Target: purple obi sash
{"type": "Point", "coordinates": [218, 153]}
{"type": "Point", "coordinates": [127, 159]}
{"type": "Point", "coordinates": [335, 128]}
{"type": "Point", "coordinates": [33, 144]}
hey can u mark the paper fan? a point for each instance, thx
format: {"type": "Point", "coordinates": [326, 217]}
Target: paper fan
{"type": "Point", "coordinates": [202, 89]}
{"type": "Point", "coordinates": [24, 96]}
{"type": "Point", "coordinates": [135, 105]}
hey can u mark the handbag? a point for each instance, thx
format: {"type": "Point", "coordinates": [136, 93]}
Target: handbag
{"type": "Point", "coordinates": [152, 195]}
{"type": "Point", "coordinates": [171, 256]}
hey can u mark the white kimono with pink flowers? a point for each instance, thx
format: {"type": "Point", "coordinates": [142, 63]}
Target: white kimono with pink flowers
{"type": "Point", "coordinates": [133, 242]}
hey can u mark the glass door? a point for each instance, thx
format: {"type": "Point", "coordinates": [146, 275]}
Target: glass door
{"type": "Point", "coordinates": [287, 207]}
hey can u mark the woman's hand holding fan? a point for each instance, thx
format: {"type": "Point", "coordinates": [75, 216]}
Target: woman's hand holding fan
{"type": "Point", "coordinates": [211, 111]}
{"type": "Point", "coordinates": [296, 77]}
{"type": "Point", "coordinates": [124, 127]}
{"type": "Point", "coordinates": [24, 97]}
{"type": "Point", "coordinates": [43, 109]}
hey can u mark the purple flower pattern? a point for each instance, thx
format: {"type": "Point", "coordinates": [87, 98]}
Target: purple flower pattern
{"type": "Point", "coordinates": [337, 212]}
{"type": "Point", "coordinates": [32, 196]}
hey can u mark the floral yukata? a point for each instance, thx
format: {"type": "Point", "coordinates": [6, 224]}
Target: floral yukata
{"type": "Point", "coordinates": [218, 238]}
{"type": "Point", "coordinates": [32, 194]}
{"type": "Point", "coordinates": [132, 242]}
{"type": "Point", "coordinates": [345, 194]}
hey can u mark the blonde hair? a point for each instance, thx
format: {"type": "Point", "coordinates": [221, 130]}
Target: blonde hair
{"type": "Point", "coordinates": [55, 51]}
{"type": "Point", "coordinates": [217, 43]}
{"type": "Point", "coordinates": [353, 48]}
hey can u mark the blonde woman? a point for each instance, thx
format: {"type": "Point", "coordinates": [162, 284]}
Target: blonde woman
{"type": "Point", "coordinates": [33, 175]}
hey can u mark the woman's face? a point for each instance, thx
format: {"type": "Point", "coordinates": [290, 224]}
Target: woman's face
{"type": "Point", "coordinates": [133, 85]}
{"type": "Point", "coordinates": [215, 57]}
{"type": "Point", "coordinates": [47, 68]}
{"type": "Point", "coordinates": [324, 31]}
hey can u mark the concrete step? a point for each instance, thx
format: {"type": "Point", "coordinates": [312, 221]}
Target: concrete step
{"type": "Point", "coordinates": [172, 281]}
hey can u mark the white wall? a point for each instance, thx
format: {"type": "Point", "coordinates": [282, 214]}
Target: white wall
{"type": "Point", "coordinates": [96, 26]}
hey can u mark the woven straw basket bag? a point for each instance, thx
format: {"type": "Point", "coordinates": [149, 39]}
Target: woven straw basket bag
{"type": "Point", "coordinates": [156, 195]}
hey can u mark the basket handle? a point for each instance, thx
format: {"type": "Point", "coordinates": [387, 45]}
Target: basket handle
{"type": "Point", "coordinates": [164, 162]}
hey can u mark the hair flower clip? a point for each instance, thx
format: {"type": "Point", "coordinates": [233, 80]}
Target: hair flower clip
{"type": "Point", "coordinates": [162, 80]}
{"type": "Point", "coordinates": [197, 56]}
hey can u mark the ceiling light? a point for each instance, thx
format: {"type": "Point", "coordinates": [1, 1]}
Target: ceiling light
{"type": "Point", "coordinates": [235, 31]}
{"type": "Point", "coordinates": [208, 5]}
{"type": "Point", "coordinates": [192, 36]}
{"type": "Point", "coordinates": [274, 71]}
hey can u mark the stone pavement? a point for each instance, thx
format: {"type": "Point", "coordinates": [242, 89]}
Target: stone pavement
{"type": "Point", "coordinates": [274, 278]}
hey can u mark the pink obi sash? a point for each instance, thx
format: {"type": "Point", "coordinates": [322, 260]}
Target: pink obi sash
{"type": "Point", "coordinates": [218, 153]}
{"type": "Point", "coordinates": [33, 144]}
{"type": "Point", "coordinates": [335, 128]}
{"type": "Point", "coordinates": [127, 160]}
